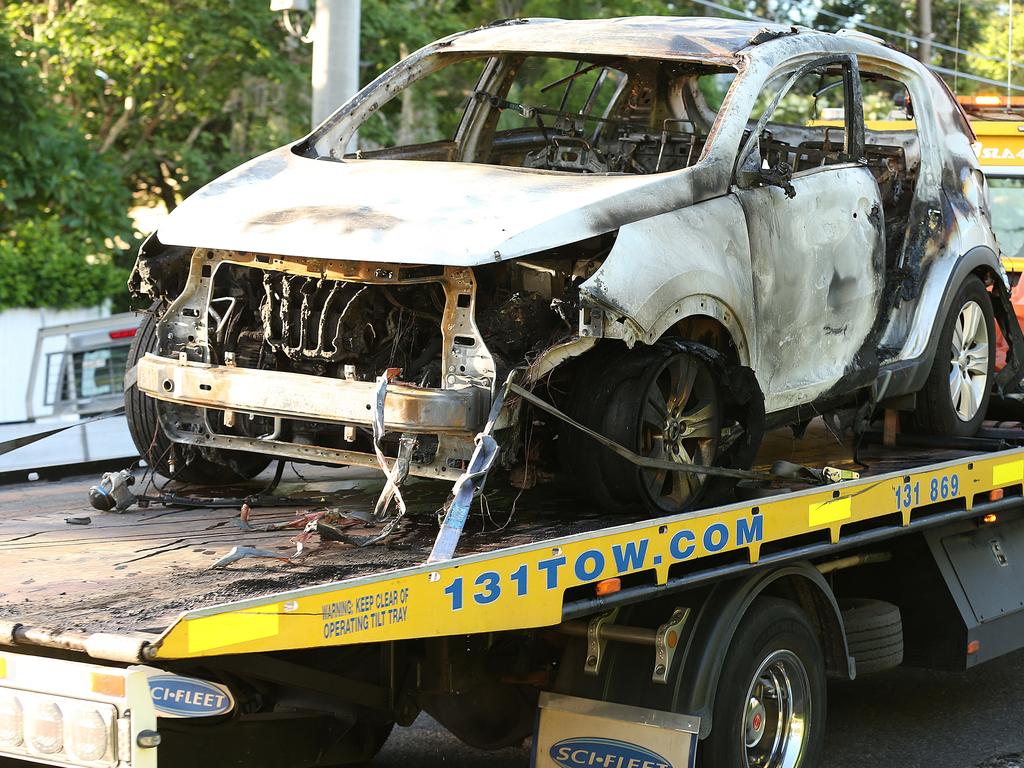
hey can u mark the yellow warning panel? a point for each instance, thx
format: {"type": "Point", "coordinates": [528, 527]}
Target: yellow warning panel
{"type": "Point", "coordinates": [830, 511]}
{"type": "Point", "coordinates": [1008, 472]}
{"type": "Point", "coordinates": [207, 633]}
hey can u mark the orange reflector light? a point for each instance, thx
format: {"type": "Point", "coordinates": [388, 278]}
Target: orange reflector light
{"type": "Point", "coordinates": [989, 518]}
{"type": "Point", "coordinates": [3, 668]}
{"type": "Point", "coordinates": [608, 587]}
{"type": "Point", "coordinates": [995, 494]}
{"type": "Point", "coordinates": [108, 685]}
{"type": "Point", "coordinates": [672, 639]}
{"type": "Point", "coordinates": [988, 101]}
{"type": "Point", "coordinates": [973, 647]}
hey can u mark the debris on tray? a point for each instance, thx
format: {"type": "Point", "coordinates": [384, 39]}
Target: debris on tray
{"type": "Point", "coordinates": [241, 553]}
{"type": "Point", "coordinates": [113, 492]}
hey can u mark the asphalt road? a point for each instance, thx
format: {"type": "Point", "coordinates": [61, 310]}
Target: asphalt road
{"type": "Point", "coordinates": [900, 719]}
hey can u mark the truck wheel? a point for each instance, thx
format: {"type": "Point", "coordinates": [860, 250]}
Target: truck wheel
{"type": "Point", "coordinates": [658, 402]}
{"type": "Point", "coordinates": [192, 465]}
{"type": "Point", "coordinates": [770, 706]}
{"type": "Point", "coordinates": [955, 396]}
{"type": "Point", "coordinates": [874, 634]}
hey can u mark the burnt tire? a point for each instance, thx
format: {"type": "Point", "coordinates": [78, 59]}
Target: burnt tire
{"type": "Point", "coordinates": [192, 464]}
{"type": "Point", "coordinates": [955, 396]}
{"type": "Point", "coordinates": [874, 634]}
{"type": "Point", "coordinates": [631, 397]}
{"type": "Point", "coordinates": [775, 661]}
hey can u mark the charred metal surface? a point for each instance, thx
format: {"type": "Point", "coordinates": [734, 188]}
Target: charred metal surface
{"type": "Point", "coordinates": [814, 260]}
{"type": "Point", "coordinates": [160, 271]}
{"type": "Point", "coordinates": [297, 396]}
{"type": "Point", "coordinates": [290, 348]}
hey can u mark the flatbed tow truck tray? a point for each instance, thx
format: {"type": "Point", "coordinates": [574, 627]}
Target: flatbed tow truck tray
{"type": "Point", "coordinates": [146, 575]}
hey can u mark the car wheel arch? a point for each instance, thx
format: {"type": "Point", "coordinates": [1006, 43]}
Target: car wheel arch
{"type": "Point", "coordinates": [909, 375]}
{"type": "Point", "coordinates": [707, 313]}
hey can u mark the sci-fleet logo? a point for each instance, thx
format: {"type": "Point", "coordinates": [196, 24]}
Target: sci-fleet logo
{"type": "Point", "coordinates": [605, 753]}
{"type": "Point", "coordinates": [188, 697]}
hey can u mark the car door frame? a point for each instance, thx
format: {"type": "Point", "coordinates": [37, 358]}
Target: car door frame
{"type": "Point", "coordinates": [779, 395]}
{"type": "Point", "coordinates": [853, 139]}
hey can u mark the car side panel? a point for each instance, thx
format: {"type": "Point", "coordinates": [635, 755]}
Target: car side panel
{"type": "Point", "coordinates": [692, 261]}
{"type": "Point", "coordinates": [818, 261]}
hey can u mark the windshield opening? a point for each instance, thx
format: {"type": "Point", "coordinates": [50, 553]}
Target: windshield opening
{"type": "Point", "coordinates": [595, 115]}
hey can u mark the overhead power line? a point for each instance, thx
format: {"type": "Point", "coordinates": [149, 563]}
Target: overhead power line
{"type": "Point", "coordinates": [912, 38]}
{"type": "Point", "coordinates": [934, 68]}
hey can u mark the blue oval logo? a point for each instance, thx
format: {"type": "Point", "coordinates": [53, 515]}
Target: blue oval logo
{"type": "Point", "coordinates": [604, 753]}
{"type": "Point", "coordinates": [188, 697]}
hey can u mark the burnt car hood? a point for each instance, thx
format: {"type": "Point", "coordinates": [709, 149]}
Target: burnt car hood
{"type": "Point", "coordinates": [405, 211]}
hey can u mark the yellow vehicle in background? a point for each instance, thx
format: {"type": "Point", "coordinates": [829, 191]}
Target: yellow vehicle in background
{"type": "Point", "coordinates": [998, 122]}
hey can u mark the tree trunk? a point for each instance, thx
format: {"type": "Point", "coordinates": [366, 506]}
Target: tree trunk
{"type": "Point", "coordinates": [165, 174]}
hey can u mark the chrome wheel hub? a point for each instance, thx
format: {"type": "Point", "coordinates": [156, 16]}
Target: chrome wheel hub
{"type": "Point", "coordinates": [754, 724]}
{"type": "Point", "coordinates": [777, 713]}
{"type": "Point", "coordinates": [968, 375]}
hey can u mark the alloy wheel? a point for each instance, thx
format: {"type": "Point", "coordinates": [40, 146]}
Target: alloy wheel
{"type": "Point", "coordinates": [680, 422]}
{"type": "Point", "coordinates": [968, 375]}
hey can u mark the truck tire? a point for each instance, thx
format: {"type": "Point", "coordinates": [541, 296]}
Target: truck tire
{"type": "Point", "coordinates": [956, 394]}
{"type": "Point", "coordinates": [874, 634]}
{"type": "Point", "coordinates": [193, 465]}
{"type": "Point", "coordinates": [770, 703]}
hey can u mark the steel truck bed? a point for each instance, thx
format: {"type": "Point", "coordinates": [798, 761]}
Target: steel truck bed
{"type": "Point", "coordinates": [133, 574]}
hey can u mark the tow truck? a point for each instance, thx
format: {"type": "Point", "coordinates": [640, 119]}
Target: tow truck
{"type": "Point", "coordinates": [190, 631]}
{"type": "Point", "coordinates": [259, 625]}
{"type": "Point", "coordinates": [998, 123]}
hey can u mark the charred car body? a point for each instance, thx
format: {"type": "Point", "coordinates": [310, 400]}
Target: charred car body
{"type": "Point", "coordinates": [671, 268]}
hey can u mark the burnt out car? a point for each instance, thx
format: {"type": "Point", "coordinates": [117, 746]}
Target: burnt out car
{"type": "Point", "coordinates": [673, 232]}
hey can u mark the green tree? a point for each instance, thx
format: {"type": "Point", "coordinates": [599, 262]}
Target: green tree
{"type": "Point", "coordinates": [993, 43]}
{"type": "Point", "coordinates": [901, 18]}
{"type": "Point", "coordinates": [177, 92]}
{"type": "Point", "coordinates": [63, 207]}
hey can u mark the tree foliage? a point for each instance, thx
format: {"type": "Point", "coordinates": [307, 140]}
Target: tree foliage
{"type": "Point", "coordinates": [112, 103]}
{"type": "Point", "coordinates": [63, 207]}
{"type": "Point", "coordinates": [901, 19]}
{"type": "Point", "coordinates": [105, 104]}
{"type": "Point", "coordinates": [178, 92]}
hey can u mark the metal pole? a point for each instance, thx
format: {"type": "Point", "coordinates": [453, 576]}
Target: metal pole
{"type": "Point", "coordinates": [924, 19]}
{"type": "Point", "coordinates": [1009, 58]}
{"type": "Point", "coordinates": [335, 55]}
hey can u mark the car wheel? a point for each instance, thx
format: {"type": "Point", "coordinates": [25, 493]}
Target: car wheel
{"type": "Point", "coordinates": [191, 464]}
{"type": "Point", "coordinates": [769, 709]}
{"type": "Point", "coordinates": [955, 396]}
{"type": "Point", "coordinates": [659, 402]}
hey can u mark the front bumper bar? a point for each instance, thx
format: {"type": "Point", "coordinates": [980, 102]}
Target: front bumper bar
{"type": "Point", "coordinates": [407, 408]}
